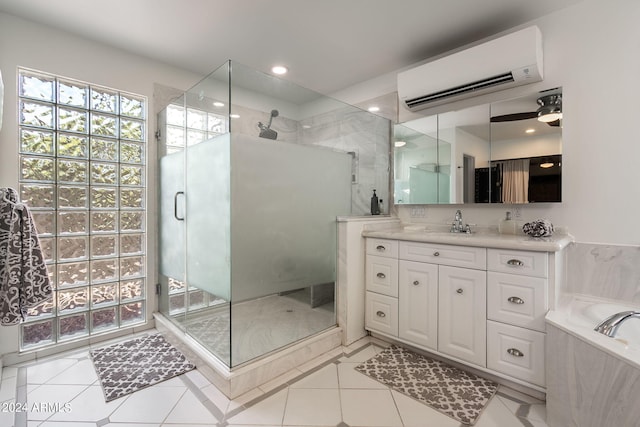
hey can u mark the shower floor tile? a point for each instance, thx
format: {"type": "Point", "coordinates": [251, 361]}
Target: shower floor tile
{"type": "Point", "coordinates": [331, 393]}
{"type": "Point", "coordinates": [259, 326]}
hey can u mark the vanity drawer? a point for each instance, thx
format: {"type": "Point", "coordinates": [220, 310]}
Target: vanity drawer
{"type": "Point", "coordinates": [382, 247]}
{"type": "Point", "coordinates": [382, 275]}
{"type": "Point", "coordinates": [527, 263]}
{"type": "Point", "coordinates": [518, 300]}
{"type": "Point", "coordinates": [381, 313]}
{"type": "Point", "coordinates": [516, 352]}
{"type": "Point", "coordinates": [456, 256]}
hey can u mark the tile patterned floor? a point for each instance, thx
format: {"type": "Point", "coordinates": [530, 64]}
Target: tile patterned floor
{"type": "Point", "coordinates": [64, 391]}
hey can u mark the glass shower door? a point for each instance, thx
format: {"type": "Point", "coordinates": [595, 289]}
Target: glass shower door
{"type": "Point", "coordinates": [194, 214]}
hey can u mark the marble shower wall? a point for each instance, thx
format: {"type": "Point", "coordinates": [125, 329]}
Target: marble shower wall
{"type": "Point", "coordinates": [347, 130]}
{"type": "Point", "coordinates": [247, 124]}
{"type": "Point", "coordinates": [604, 271]}
{"type": "Point", "coordinates": [367, 136]}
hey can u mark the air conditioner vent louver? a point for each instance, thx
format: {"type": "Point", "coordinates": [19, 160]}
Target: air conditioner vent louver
{"type": "Point", "coordinates": [501, 63]}
{"type": "Point", "coordinates": [459, 90]}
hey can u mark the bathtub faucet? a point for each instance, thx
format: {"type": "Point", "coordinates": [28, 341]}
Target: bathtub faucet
{"type": "Point", "coordinates": [610, 325]}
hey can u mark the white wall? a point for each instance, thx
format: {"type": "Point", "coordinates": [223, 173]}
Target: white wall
{"type": "Point", "coordinates": [591, 50]}
{"type": "Point", "coordinates": [33, 46]}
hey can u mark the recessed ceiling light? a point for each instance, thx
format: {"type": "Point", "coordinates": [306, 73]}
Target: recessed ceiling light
{"type": "Point", "coordinates": [218, 104]}
{"type": "Point", "coordinates": [234, 116]}
{"type": "Point", "coordinates": [374, 109]}
{"type": "Point", "coordinates": [530, 130]}
{"type": "Point", "coordinates": [279, 69]}
{"type": "Point", "coordinates": [400, 144]}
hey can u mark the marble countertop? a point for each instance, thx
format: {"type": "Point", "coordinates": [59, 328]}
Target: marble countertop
{"type": "Point", "coordinates": [480, 238]}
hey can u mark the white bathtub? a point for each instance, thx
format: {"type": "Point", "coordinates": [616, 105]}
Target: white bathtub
{"type": "Point", "coordinates": [592, 380]}
{"type": "Point", "coordinates": [578, 315]}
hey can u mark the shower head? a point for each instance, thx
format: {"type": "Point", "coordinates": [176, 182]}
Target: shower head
{"type": "Point", "coordinates": [266, 131]}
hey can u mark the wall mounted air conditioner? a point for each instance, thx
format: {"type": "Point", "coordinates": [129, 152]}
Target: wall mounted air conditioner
{"type": "Point", "coordinates": [508, 61]}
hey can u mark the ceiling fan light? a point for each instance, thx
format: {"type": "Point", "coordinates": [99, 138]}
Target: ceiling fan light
{"type": "Point", "coordinates": [550, 116]}
{"type": "Point", "coordinates": [550, 108]}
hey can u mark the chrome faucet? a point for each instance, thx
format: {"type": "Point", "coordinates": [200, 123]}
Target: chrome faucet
{"type": "Point", "coordinates": [458, 225]}
{"type": "Point", "coordinates": [610, 325]}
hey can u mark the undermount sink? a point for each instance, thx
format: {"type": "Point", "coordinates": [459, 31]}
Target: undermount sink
{"type": "Point", "coordinates": [433, 232]}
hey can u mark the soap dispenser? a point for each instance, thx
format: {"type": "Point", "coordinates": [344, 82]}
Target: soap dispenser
{"type": "Point", "coordinates": [375, 204]}
{"type": "Point", "coordinates": [507, 225]}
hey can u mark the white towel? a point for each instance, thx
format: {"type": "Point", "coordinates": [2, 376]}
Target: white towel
{"type": "Point", "coordinates": [24, 282]}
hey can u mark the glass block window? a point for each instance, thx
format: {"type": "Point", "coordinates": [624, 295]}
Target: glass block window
{"type": "Point", "coordinates": [83, 175]}
{"type": "Point", "coordinates": [189, 126]}
{"type": "Point", "coordinates": [183, 298]}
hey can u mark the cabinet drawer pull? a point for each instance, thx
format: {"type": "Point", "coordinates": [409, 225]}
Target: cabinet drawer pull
{"type": "Point", "coordinates": [515, 352]}
{"type": "Point", "coordinates": [416, 283]}
{"type": "Point", "coordinates": [381, 275]}
{"type": "Point", "coordinates": [381, 248]}
{"type": "Point", "coordinates": [436, 253]}
{"type": "Point", "coordinates": [515, 263]}
{"type": "Point", "coordinates": [459, 290]}
{"type": "Point", "coordinates": [380, 314]}
{"type": "Point", "coordinates": [515, 300]}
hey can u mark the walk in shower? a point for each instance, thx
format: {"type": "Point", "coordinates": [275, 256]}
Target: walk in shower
{"type": "Point", "coordinates": [253, 172]}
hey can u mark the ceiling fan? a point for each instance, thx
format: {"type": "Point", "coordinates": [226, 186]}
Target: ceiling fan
{"type": "Point", "coordinates": [549, 112]}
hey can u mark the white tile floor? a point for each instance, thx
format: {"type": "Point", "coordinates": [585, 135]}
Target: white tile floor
{"type": "Point", "coordinates": [64, 391]}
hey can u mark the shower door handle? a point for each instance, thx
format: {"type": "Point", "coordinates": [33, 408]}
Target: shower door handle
{"type": "Point", "coordinates": [175, 205]}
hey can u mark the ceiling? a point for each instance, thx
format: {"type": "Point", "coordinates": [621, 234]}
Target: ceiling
{"type": "Point", "coordinates": [327, 45]}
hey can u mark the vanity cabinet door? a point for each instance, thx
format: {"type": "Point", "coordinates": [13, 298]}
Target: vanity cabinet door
{"type": "Point", "coordinates": [462, 314]}
{"type": "Point", "coordinates": [418, 303]}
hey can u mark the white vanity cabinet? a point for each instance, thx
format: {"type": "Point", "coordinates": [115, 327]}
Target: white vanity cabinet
{"type": "Point", "coordinates": [462, 314]}
{"type": "Point", "coordinates": [478, 305]}
{"type": "Point", "coordinates": [418, 303]}
{"type": "Point", "coordinates": [457, 303]}
{"type": "Point", "coordinates": [381, 277]}
{"type": "Point", "coordinates": [517, 289]}
{"type": "Point", "coordinates": [440, 296]}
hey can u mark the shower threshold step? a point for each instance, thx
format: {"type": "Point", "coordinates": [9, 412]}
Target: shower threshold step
{"type": "Point", "coordinates": [236, 381]}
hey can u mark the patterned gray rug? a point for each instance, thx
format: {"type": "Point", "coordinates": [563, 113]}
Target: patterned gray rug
{"type": "Point", "coordinates": [452, 391]}
{"type": "Point", "coordinates": [130, 366]}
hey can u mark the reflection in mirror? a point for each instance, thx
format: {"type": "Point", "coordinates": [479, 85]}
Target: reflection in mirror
{"type": "Point", "coordinates": [417, 177]}
{"type": "Point", "coordinates": [526, 148]}
{"type": "Point", "coordinates": [467, 133]}
{"type": "Point", "coordinates": [498, 153]}
{"type": "Point", "coordinates": [441, 170]}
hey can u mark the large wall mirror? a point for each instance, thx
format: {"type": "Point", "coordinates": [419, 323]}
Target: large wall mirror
{"type": "Point", "coordinates": [505, 152]}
